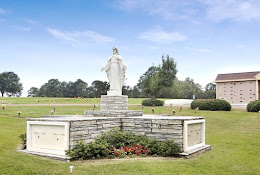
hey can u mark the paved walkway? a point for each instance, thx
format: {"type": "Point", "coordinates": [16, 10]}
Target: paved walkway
{"type": "Point", "coordinates": [178, 102]}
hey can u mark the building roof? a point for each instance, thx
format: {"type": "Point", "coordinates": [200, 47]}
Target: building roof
{"type": "Point", "coordinates": [237, 76]}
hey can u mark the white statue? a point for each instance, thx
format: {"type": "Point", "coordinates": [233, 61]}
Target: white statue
{"type": "Point", "coordinates": [115, 70]}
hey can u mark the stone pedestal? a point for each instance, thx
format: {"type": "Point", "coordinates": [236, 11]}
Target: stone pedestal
{"type": "Point", "coordinates": [114, 103]}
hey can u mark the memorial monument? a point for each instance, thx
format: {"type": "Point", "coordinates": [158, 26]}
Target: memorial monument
{"type": "Point", "coordinates": [51, 136]}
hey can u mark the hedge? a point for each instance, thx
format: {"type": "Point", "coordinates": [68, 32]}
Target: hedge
{"type": "Point", "coordinates": [253, 106]}
{"type": "Point", "coordinates": [150, 102]}
{"type": "Point", "coordinates": [211, 104]}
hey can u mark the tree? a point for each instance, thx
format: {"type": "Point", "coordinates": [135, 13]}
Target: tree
{"type": "Point", "coordinates": [135, 93]}
{"type": "Point", "coordinates": [9, 83]}
{"type": "Point", "coordinates": [145, 82]}
{"type": "Point", "coordinates": [80, 88]}
{"type": "Point", "coordinates": [126, 90]}
{"type": "Point", "coordinates": [157, 78]}
{"type": "Point", "coordinates": [210, 91]}
{"type": "Point", "coordinates": [210, 86]}
{"type": "Point", "coordinates": [167, 71]}
{"type": "Point", "coordinates": [32, 92]}
{"type": "Point", "coordinates": [100, 88]}
{"type": "Point", "coordinates": [51, 89]}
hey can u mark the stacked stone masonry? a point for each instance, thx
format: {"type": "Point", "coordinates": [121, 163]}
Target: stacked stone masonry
{"type": "Point", "coordinates": [161, 129]}
{"type": "Point", "coordinates": [117, 113]}
{"type": "Point", "coordinates": [114, 103]}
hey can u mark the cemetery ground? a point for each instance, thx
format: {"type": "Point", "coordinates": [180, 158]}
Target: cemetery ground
{"type": "Point", "coordinates": [234, 136]}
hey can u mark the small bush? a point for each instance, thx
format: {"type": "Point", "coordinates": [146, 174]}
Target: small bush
{"type": "Point", "coordinates": [86, 151]}
{"type": "Point", "coordinates": [211, 104]}
{"type": "Point", "coordinates": [150, 102]}
{"type": "Point", "coordinates": [253, 106]}
{"type": "Point", "coordinates": [116, 138]}
{"type": "Point", "coordinates": [168, 148]}
{"type": "Point", "coordinates": [153, 146]}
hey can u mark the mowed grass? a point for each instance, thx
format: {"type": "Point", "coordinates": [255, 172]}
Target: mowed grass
{"type": "Point", "coordinates": [49, 100]}
{"type": "Point", "coordinates": [234, 136]}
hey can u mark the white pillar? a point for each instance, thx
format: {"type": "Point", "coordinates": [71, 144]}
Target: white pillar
{"type": "Point", "coordinates": [217, 91]}
{"type": "Point", "coordinates": [257, 90]}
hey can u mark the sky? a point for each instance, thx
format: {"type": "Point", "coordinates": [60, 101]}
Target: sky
{"type": "Point", "coordinates": [73, 39]}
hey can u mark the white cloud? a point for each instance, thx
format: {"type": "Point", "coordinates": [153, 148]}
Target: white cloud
{"type": "Point", "coordinates": [215, 10]}
{"type": "Point", "coordinates": [77, 36]}
{"type": "Point", "coordinates": [168, 9]}
{"type": "Point", "coordinates": [236, 10]}
{"type": "Point", "coordinates": [199, 50]}
{"type": "Point", "coordinates": [161, 36]}
{"type": "Point", "coordinates": [2, 11]}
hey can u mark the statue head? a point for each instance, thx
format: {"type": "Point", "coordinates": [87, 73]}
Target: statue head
{"type": "Point", "coordinates": [115, 51]}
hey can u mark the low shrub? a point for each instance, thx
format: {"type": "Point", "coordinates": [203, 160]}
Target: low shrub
{"type": "Point", "coordinates": [116, 138]}
{"type": "Point", "coordinates": [168, 148]}
{"type": "Point", "coordinates": [118, 144]}
{"type": "Point", "coordinates": [211, 104]}
{"type": "Point", "coordinates": [84, 151]}
{"type": "Point", "coordinates": [150, 102]}
{"type": "Point", "coordinates": [253, 106]}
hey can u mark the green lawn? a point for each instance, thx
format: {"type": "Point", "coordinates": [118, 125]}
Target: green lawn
{"type": "Point", "coordinates": [234, 136]}
{"type": "Point", "coordinates": [49, 100]}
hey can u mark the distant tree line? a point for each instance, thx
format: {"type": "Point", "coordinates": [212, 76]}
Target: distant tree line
{"type": "Point", "coordinates": [79, 88]}
{"type": "Point", "coordinates": [157, 82]}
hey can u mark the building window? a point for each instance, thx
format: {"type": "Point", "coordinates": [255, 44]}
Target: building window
{"type": "Point", "coordinates": [240, 90]}
{"type": "Point", "coordinates": [241, 101]}
{"type": "Point", "coordinates": [241, 94]}
{"type": "Point", "coordinates": [240, 83]}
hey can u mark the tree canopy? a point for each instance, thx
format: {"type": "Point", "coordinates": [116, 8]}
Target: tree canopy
{"type": "Point", "coordinates": [10, 84]}
{"type": "Point", "coordinates": [158, 77]}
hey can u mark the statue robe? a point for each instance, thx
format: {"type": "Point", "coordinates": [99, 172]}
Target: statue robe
{"type": "Point", "coordinates": [115, 70]}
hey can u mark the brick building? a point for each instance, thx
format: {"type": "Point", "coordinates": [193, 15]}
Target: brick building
{"type": "Point", "coordinates": [236, 88]}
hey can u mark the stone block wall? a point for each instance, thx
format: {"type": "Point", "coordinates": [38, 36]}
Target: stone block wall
{"type": "Point", "coordinates": [114, 103]}
{"type": "Point", "coordinates": [89, 130]}
{"type": "Point", "coordinates": [162, 129]}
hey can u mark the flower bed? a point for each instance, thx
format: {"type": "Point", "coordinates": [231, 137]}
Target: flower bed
{"type": "Point", "coordinates": [118, 144]}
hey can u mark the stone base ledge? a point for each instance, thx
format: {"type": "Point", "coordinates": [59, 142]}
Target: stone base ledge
{"type": "Point", "coordinates": [195, 152]}
{"type": "Point", "coordinates": [51, 156]}
{"type": "Point", "coordinates": [114, 103]}
{"type": "Point", "coordinates": [122, 113]}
